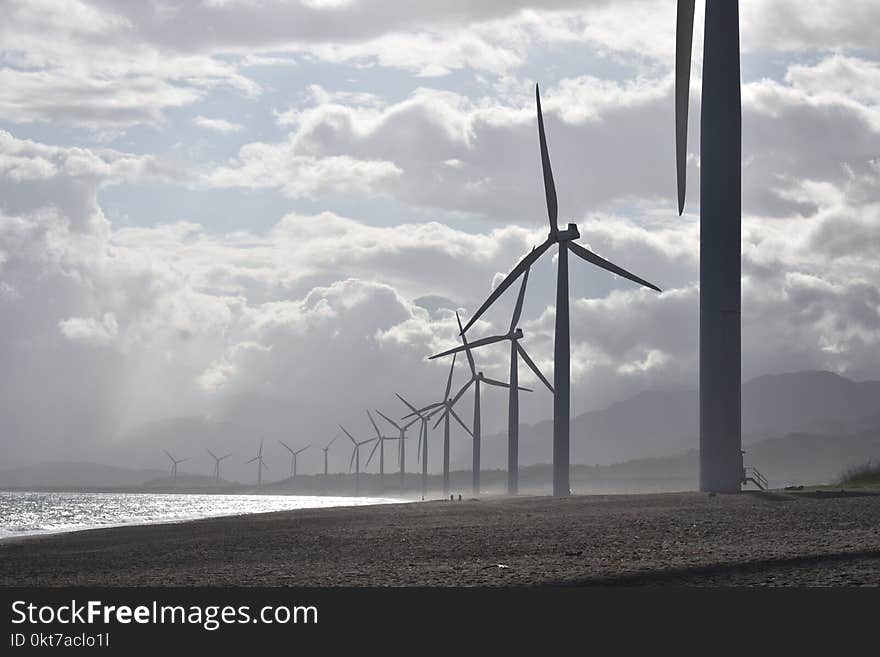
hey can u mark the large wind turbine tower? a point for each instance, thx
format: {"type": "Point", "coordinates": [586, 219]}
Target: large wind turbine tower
{"type": "Point", "coordinates": [720, 231]}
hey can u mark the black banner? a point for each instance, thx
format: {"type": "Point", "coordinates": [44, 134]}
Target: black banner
{"type": "Point", "coordinates": [126, 620]}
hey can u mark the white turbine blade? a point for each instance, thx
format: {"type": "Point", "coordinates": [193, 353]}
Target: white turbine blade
{"type": "Point", "coordinates": [423, 410]}
{"type": "Point", "coordinates": [331, 442]}
{"type": "Point", "coordinates": [494, 382]}
{"type": "Point", "coordinates": [183, 460]}
{"type": "Point", "coordinates": [263, 463]}
{"type": "Point", "coordinates": [591, 257]}
{"type": "Point", "coordinates": [373, 422]}
{"type": "Point", "coordinates": [252, 460]}
{"type": "Point", "coordinates": [549, 186]}
{"type": "Point", "coordinates": [470, 346]}
{"type": "Point", "coordinates": [684, 36]}
{"type": "Point", "coordinates": [462, 391]}
{"type": "Point", "coordinates": [302, 449]}
{"type": "Point", "coordinates": [435, 411]}
{"type": "Point", "coordinates": [350, 437]}
{"type": "Point", "coordinates": [224, 457]}
{"type": "Point", "coordinates": [517, 311]}
{"type": "Point", "coordinates": [370, 458]}
{"type": "Point", "coordinates": [214, 456]}
{"type": "Point", "coordinates": [261, 448]}
{"type": "Point", "coordinates": [461, 422]}
{"type": "Point", "coordinates": [351, 463]}
{"type": "Point", "coordinates": [389, 420]}
{"type": "Point", "coordinates": [169, 456]}
{"type": "Point", "coordinates": [515, 273]}
{"type": "Point", "coordinates": [532, 366]}
{"type": "Point", "coordinates": [411, 422]}
{"type": "Point", "coordinates": [467, 349]}
{"type": "Point", "coordinates": [449, 380]}
{"type": "Point", "coordinates": [440, 419]}
{"type": "Point", "coordinates": [408, 405]}
{"type": "Point", "coordinates": [286, 446]}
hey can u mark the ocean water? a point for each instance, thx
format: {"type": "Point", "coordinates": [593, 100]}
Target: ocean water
{"type": "Point", "coordinates": [29, 513]}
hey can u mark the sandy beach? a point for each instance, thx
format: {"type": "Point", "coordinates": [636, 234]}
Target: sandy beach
{"type": "Point", "coordinates": [819, 538]}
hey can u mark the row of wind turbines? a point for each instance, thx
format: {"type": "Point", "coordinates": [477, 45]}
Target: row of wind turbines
{"type": "Point", "coordinates": [444, 409]}
{"type": "Point", "coordinates": [720, 297]}
{"type": "Point", "coordinates": [258, 459]}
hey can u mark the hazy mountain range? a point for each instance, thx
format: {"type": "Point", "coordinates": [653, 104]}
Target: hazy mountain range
{"type": "Point", "coordinates": [661, 423]}
{"type": "Point", "coordinates": [798, 427]}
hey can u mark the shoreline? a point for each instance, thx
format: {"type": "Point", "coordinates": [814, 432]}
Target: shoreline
{"type": "Point", "coordinates": [181, 519]}
{"type": "Point", "coordinates": [767, 539]}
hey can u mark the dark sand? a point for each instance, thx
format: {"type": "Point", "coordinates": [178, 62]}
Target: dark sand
{"type": "Point", "coordinates": [768, 539]}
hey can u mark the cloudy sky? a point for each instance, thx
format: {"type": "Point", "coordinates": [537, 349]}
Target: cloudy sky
{"type": "Point", "coordinates": [217, 205]}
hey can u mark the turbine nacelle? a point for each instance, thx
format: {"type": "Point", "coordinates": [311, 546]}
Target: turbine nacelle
{"type": "Point", "coordinates": [567, 235]}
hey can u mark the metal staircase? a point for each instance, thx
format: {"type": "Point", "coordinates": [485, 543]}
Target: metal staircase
{"type": "Point", "coordinates": [753, 475]}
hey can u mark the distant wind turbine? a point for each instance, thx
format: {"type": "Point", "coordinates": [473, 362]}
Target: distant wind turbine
{"type": "Point", "coordinates": [260, 464]}
{"type": "Point", "coordinates": [293, 455]}
{"type": "Point", "coordinates": [217, 460]}
{"type": "Point", "coordinates": [327, 449]}
{"type": "Point", "coordinates": [562, 341]}
{"type": "Point", "coordinates": [422, 449]}
{"type": "Point", "coordinates": [401, 451]}
{"type": "Point", "coordinates": [174, 463]}
{"type": "Point", "coordinates": [380, 445]}
{"type": "Point", "coordinates": [476, 379]}
{"type": "Point", "coordinates": [720, 231]}
{"type": "Point", "coordinates": [514, 335]}
{"type": "Point", "coordinates": [447, 408]}
{"type": "Point", "coordinates": [356, 458]}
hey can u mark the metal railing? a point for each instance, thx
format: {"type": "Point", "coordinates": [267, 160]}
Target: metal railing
{"type": "Point", "coordinates": [751, 473]}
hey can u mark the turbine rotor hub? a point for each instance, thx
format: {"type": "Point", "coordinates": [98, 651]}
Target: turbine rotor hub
{"type": "Point", "coordinates": [569, 234]}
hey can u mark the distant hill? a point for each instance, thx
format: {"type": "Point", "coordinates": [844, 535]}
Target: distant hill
{"type": "Point", "coordinates": [652, 424]}
{"type": "Point", "coordinates": [75, 475]}
{"type": "Point", "coordinates": [796, 458]}
{"type": "Point", "coordinates": [664, 423]}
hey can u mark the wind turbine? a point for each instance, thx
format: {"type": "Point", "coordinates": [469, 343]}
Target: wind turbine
{"type": "Point", "coordinates": [327, 449]}
{"type": "Point", "coordinates": [356, 458]}
{"type": "Point", "coordinates": [260, 464]}
{"type": "Point", "coordinates": [422, 449]}
{"type": "Point", "coordinates": [562, 340]}
{"type": "Point", "coordinates": [380, 445]}
{"type": "Point", "coordinates": [514, 335]}
{"type": "Point", "coordinates": [174, 463]}
{"type": "Point", "coordinates": [217, 460]}
{"type": "Point", "coordinates": [447, 408]}
{"type": "Point", "coordinates": [720, 231]}
{"type": "Point", "coordinates": [401, 451]}
{"type": "Point", "coordinates": [293, 455]}
{"type": "Point", "coordinates": [476, 379]}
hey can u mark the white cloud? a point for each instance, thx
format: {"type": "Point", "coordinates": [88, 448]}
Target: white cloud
{"type": "Point", "coordinates": [90, 330]}
{"type": "Point", "coordinates": [168, 317]}
{"type": "Point", "coordinates": [217, 125]}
